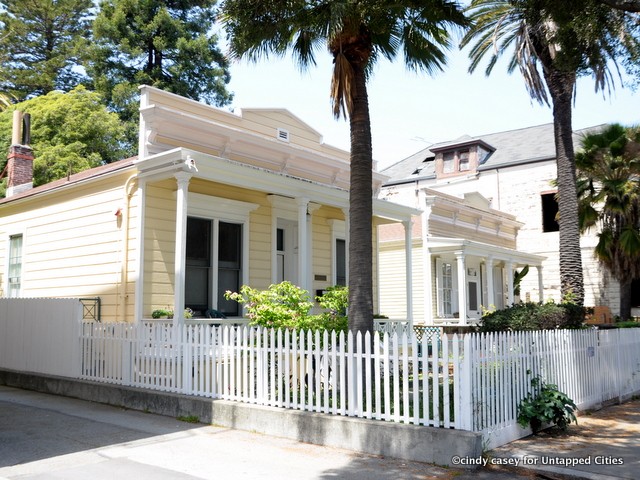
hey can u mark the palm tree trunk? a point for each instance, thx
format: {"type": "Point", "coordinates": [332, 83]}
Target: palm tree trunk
{"type": "Point", "coordinates": [360, 210]}
{"type": "Point", "coordinates": [625, 299]}
{"type": "Point", "coordinates": [561, 86]}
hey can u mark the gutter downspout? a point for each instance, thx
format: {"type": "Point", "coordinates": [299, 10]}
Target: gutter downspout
{"type": "Point", "coordinates": [124, 262]}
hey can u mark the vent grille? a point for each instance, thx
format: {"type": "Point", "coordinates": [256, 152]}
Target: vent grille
{"type": "Point", "coordinates": [283, 135]}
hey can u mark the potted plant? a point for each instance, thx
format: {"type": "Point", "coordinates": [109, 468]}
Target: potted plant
{"type": "Point", "coordinates": [162, 313]}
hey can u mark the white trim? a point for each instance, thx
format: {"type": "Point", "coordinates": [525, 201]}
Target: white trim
{"type": "Point", "coordinates": [208, 206]}
{"type": "Point", "coordinates": [7, 290]}
{"type": "Point", "coordinates": [139, 284]}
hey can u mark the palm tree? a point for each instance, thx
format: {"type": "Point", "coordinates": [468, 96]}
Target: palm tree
{"type": "Point", "coordinates": [552, 43]}
{"type": "Point", "coordinates": [609, 198]}
{"type": "Point", "coordinates": [357, 33]}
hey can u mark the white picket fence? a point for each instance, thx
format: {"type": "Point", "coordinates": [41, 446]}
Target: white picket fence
{"type": "Point", "coordinates": [590, 366]}
{"type": "Point", "coordinates": [470, 382]}
{"type": "Point", "coordinates": [378, 377]}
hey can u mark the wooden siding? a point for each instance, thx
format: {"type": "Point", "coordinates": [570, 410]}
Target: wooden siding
{"type": "Point", "coordinates": [393, 281]}
{"type": "Point", "coordinates": [160, 240]}
{"type": "Point", "coordinates": [73, 244]}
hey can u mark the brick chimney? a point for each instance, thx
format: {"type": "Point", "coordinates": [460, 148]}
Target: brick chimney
{"type": "Point", "coordinates": [20, 158]}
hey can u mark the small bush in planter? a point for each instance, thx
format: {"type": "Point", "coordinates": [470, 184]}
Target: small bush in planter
{"type": "Point", "coordinates": [546, 404]}
{"type": "Point", "coordinates": [162, 313]}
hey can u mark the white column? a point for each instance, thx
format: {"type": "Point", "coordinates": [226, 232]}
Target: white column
{"type": "Point", "coordinates": [491, 295]}
{"type": "Point", "coordinates": [303, 246]}
{"type": "Point", "coordinates": [407, 224]}
{"type": "Point", "coordinates": [510, 295]}
{"type": "Point", "coordinates": [462, 288]}
{"type": "Point", "coordinates": [426, 269]}
{"type": "Point", "coordinates": [540, 284]}
{"type": "Point", "coordinates": [139, 289]}
{"type": "Point", "coordinates": [181, 246]}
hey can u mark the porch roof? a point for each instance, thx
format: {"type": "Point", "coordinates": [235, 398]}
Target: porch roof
{"type": "Point", "coordinates": [222, 170]}
{"type": "Point", "coordinates": [442, 245]}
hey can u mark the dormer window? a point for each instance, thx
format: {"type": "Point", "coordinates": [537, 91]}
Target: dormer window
{"type": "Point", "coordinates": [460, 158]}
{"type": "Point", "coordinates": [455, 161]}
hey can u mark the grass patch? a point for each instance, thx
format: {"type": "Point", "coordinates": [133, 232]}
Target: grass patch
{"type": "Point", "coordinates": [189, 418]}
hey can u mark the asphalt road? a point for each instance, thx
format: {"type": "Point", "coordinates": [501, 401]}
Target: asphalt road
{"type": "Point", "coordinates": [51, 437]}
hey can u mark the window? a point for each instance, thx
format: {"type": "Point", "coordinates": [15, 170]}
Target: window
{"type": "Point", "coordinates": [339, 255]}
{"type": "Point", "coordinates": [456, 161]}
{"type": "Point", "coordinates": [463, 160]}
{"type": "Point", "coordinates": [15, 265]}
{"type": "Point", "coordinates": [448, 162]}
{"type": "Point", "coordinates": [446, 291]}
{"type": "Point", "coordinates": [341, 262]}
{"type": "Point", "coordinates": [549, 212]}
{"type": "Point", "coordinates": [209, 240]}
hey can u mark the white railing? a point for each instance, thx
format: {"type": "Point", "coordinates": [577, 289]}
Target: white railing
{"type": "Point", "coordinates": [381, 377]}
{"type": "Point", "coordinates": [590, 366]}
{"type": "Point", "coordinates": [471, 382]}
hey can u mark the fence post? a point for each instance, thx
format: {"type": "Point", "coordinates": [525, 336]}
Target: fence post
{"type": "Point", "coordinates": [463, 382]}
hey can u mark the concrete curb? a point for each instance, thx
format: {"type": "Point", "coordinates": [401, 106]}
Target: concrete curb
{"type": "Point", "coordinates": [397, 440]}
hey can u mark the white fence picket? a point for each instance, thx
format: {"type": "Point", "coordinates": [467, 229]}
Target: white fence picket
{"type": "Point", "coordinates": [473, 381]}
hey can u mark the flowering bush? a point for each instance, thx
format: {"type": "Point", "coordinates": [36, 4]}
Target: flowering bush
{"type": "Point", "coordinates": [284, 305]}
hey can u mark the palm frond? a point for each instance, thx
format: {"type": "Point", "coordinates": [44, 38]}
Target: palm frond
{"type": "Point", "coordinates": [342, 86]}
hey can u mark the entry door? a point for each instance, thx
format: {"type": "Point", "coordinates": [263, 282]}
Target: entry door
{"type": "Point", "coordinates": [473, 292]}
{"type": "Point", "coordinates": [287, 251]}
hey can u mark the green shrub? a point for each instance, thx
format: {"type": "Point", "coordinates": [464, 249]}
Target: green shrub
{"type": "Point", "coordinates": [533, 316]}
{"type": "Point", "coordinates": [627, 324]}
{"type": "Point", "coordinates": [284, 305]}
{"type": "Point", "coordinates": [546, 404]}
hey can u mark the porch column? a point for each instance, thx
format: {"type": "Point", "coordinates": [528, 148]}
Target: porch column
{"type": "Point", "coordinates": [462, 288]}
{"type": "Point", "coordinates": [181, 246]}
{"type": "Point", "coordinates": [426, 269]}
{"type": "Point", "coordinates": [139, 288]}
{"type": "Point", "coordinates": [491, 295]}
{"type": "Point", "coordinates": [407, 224]}
{"type": "Point", "coordinates": [540, 284]}
{"type": "Point", "coordinates": [303, 246]}
{"type": "Point", "coordinates": [510, 295]}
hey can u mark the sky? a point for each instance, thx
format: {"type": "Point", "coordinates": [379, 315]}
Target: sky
{"type": "Point", "coordinates": [410, 111]}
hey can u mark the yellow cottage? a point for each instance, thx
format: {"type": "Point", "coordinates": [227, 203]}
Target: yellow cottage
{"type": "Point", "coordinates": [214, 200]}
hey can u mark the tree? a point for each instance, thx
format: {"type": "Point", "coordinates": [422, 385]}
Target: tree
{"type": "Point", "coordinates": [163, 43]}
{"type": "Point", "coordinates": [70, 132]}
{"type": "Point", "coordinates": [552, 43]}
{"type": "Point", "coordinates": [609, 199]}
{"type": "Point", "coordinates": [357, 34]}
{"type": "Point", "coordinates": [41, 45]}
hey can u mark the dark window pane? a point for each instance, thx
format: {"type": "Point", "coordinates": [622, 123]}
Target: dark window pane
{"type": "Point", "coordinates": [341, 263]}
{"type": "Point", "coordinates": [549, 213]}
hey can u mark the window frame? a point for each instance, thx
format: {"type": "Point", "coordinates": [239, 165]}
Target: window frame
{"type": "Point", "coordinates": [216, 210]}
{"type": "Point", "coordinates": [11, 293]}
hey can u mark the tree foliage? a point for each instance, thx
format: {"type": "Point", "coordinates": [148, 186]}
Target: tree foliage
{"type": "Point", "coordinates": [70, 132]}
{"type": "Point", "coordinates": [356, 34]}
{"type": "Point", "coordinates": [552, 43]}
{"type": "Point", "coordinates": [41, 45]}
{"type": "Point", "coordinates": [167, 44]}
{"type": "Point", "coordinates": [609, 200]}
